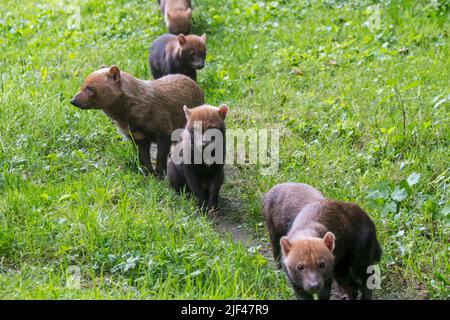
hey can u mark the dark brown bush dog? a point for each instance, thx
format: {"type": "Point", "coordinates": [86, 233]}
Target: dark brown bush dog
{"type": "Point", "coordinates": [201, 176]}
{"type": "Point", "coordinates": [319, 240]}
{"type": "Point", "coordinates": [170, 54]}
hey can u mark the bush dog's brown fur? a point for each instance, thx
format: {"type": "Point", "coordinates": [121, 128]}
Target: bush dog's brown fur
{"type": "Point", "coordinates": [320, 239]}
{"type": "Point", "coordinates": [148, 111]}
{"type": "Point", "coordinates": [204, 180]}
{"type": "Point", "coordinates": [170, 54]}
{"type": "Point", "coordinates": [177, 15]}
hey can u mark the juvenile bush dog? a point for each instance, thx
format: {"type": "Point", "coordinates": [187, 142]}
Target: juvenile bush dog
{"type": "Point", "coordinates": [198, 158]}
{"type": "Point", "coordinates": [319, 239]}
{"type": "Point", "coordinates": [177, 15]}
{"type": "Point", "coordinates": [146, 111]}
{"type": "Point", "coordinates": [170, 54]}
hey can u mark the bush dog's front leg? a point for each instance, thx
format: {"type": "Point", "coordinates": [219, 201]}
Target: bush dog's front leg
{"type": "Point", "coordinates": [347, 285]}
{"type": "Point", "coordinates": [275, 243]}
{"type": "Point", "coordinates": [192, 74]}
{"type": "Point", "coordinates": [213, 192]}
{"type": "Point", "coordinates": [144, 156]}
{"type": "Point", "coordinates": [195, 185]}
{"type": "Point", "coordinates": [325, 293]}
{"type": "Point", "coordinates": [163, 144]}
{"type": "Point", "coordinates": [302, 294]}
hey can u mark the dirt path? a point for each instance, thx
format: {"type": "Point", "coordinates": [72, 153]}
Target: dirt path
{"type": "Point", "coordinates": [225, 222]}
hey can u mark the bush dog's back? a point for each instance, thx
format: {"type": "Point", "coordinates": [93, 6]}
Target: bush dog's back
{"type": "Point", "coordinates": [283, 202]}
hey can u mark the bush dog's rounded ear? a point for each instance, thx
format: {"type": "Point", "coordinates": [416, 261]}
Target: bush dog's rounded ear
{"type": "Point", "coordinates": [203, 37]}
{"type": "Point", "coordinates": [103, 66]}
{"type": "Point", "coordinates": [285, 246]}
{"type": "Point", "coordinates": [182, 39]}
{"type": "Point", "coordinates": [223, 109]}
{"type": "Point", "coordinates": [114, 73]}
{"type": "Point", "coordinates": [329, 240]}
{"type": "Point", "coordinates": [187, 112]}
{"type": "Point", "coordinates": [188, 11]}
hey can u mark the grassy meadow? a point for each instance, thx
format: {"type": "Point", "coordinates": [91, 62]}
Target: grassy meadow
{"type": "Point", "coordinates": [359, 89]}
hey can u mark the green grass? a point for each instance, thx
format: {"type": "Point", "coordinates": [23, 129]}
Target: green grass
{"type": "Point", "coordinates": [71, 195]}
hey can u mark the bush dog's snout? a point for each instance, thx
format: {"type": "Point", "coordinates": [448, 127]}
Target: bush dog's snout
{"type": "Point", "coordinates": [74, 101]}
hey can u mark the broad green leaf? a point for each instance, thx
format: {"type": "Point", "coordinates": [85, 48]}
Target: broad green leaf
{"type": "Point", "coordinates": [399, 194]}
{"type": "Point", "coordinates": [376, 194]}
{"type": "Point", "coordinates": [413, 178]}
{"type": "Point", "coordinates": [389, 207]}
{"type": "Point", "coordinates": [382, 190]}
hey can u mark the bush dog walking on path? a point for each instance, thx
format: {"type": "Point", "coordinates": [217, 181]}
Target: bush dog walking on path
{"type": "Point", "coordinates": [319, 239]}
{"type": "Point", "coordinates": [177, 15]}
{"type": "Point", "coordinates": [170, 54]}
{"type": "Point", "coordinates": [198, 158]}
{"type": "Point", "coordinates": [148, 111]}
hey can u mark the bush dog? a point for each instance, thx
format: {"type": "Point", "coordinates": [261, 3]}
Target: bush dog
{"type": "Point", "coordinates": [146, 111]}
{"type": "Point", "coordinates": [200, 155]}
{"type": "Point", "coordinates": [320, 240]}
{"type": "Point", "coordinates": [177, 15]}
{"type": "Point", "coordinates": [170, 54]}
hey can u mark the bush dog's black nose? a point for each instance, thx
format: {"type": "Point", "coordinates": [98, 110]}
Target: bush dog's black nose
{"type": "Point", "coordinates": [74, 102]}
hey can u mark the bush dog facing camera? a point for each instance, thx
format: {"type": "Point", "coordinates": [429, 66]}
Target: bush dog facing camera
{"type": "Point", "coordinates": [319, 240]}
{"type": "Point", "coordinates": [198, 158]}
{"type": "Point", "coordinates": [148, 111]}
{"type": "Point", "coordinates": [170, 54]}
{"type": "Point", "coordinates": [177, 15]}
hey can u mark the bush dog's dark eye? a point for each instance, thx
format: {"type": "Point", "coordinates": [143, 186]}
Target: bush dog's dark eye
{"type": "Point", "coordinates": [90, 89]}
{"type": "Point", "coordinates": [301, 267]}
{"type": "Point", "coordinates": [322, 265]}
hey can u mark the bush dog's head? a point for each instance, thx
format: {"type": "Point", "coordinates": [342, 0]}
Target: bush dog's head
{"type": "Point", "coordinates": [193, 50]}
{"type": "Point", "coordinates": [179, 21]}
{"type": "Point", "coordinates": [205, 123]}
{"type": "Point", "coordinates": [309, 261]}
{"type": "Point", "coordinates": [100, 90]}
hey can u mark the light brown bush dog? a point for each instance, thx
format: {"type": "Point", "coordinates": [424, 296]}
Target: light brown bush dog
{"type": "Point", "coordinates": [177, 15]}
{"type": "Point", "coordinates": [318, 240]}
{"type": "Point", "coordinates": [148, 111]}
